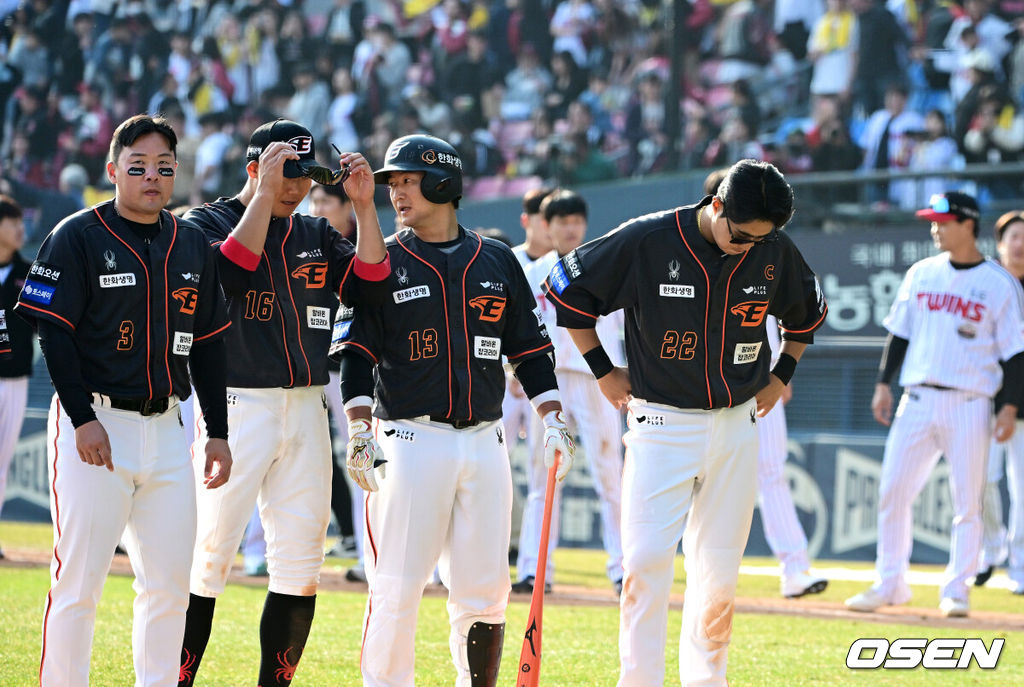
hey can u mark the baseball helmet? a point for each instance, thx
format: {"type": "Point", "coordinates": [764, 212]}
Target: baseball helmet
{"type": "Point", "coordinates": [440, 164]}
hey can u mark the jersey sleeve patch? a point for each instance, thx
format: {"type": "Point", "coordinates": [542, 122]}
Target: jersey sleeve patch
{"type": "Point", "coordinates": [43, 273]}
{"type": "Point", "coordinates": [38, 292]}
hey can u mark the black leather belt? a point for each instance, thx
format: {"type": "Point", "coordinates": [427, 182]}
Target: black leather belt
{"type": "Point", "coordinates": [938, 387]}
{"type": "Point", "coordinates": [148, 407]}
{"type": "Point", "coordinates": [457, 424]}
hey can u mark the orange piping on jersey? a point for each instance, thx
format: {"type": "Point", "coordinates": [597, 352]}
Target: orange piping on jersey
{"type": "Point", "coordinates": [167, 315]}
{"type": "Point", "coordinates": [348, 269]}
{"type": "Point", "coordinates": [207, 336]}
{"type": "Point", "coordinates": [447, 327]}
{"type": "Point", "coordinates": [550, 292]}
{"type": "Point", "coordinates": [812, 327]}
{"type": "Point", "coordinates": [707, 305]}
{"type": "Point", "coordinates": [23, 304]}
{"type": "Point", "coordinates": [725, 310]}
{"type": "Point", "coordinates": [284, 341]}
{"type": "Point", "coordinates": [298, 322]}
{"type": "Point", "coordinates": [465, 324]}
{"type": "Point", "coordinates": [353, 343]}
{"type": "Point", "coordinates": [534, 350]}
{"type": "Point", "coordinates": [56, 525]}
{"type": "Point", "coordinates": [149, 379]}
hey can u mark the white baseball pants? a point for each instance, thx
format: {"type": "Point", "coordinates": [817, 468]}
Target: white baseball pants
{"type": "Point", "coordinates": [993, 538]}
{"type": "Point", "coordinates": [281, 452]}
{"type": "Point", "coordinates": [1002, 543]}
{"type": "Point", "coordinates": [778, 514]}
{"type": "Point", "coordinates": [678, 463]}
{"type": "Point", "coordinates": [13, 399]}
{"type": "Point", "coordinates": [929, 423]}
{"type": "Point", "coordinates": [150, 497]}
{"type": "Point", "coordinates": [598, 425]}
{"type": "Point", "coordinates": [446, 497]}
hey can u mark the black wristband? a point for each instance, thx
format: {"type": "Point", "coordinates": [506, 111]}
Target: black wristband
{"type": "Point", "coordinates": [598, 361]}
{"type": "Point", "coordinates": [784, 368]}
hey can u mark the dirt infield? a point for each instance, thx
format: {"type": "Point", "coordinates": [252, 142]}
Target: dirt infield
{"type": "Point", "coordinates": [568, 595]}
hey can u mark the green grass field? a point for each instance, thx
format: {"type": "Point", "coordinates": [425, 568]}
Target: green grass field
{"type": "Point", "coordinates": [580, 642]}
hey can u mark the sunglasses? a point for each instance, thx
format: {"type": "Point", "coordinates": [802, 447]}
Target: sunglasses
{"type": "Point", "coordinates": [940, 204]}
{"type": "Point", "coordinates": [742, 238]}
{"type": "Point", "coordinates": [328, 177]}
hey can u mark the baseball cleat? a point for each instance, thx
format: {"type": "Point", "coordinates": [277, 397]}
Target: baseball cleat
{"type": "Point", "coordinates": [871, 600]}
{"type": "Point", "coordinates": [525, 586]}
{"type": "Point", "coordinates": [256, 568]}
{"type": "Point", "coordinates": [983, 576]}
{"type": "Point", "coordinates": [357, 573]}
{"type": "Point", "coordinates": [802, 584]}
{"type": "Point", "coordinates": [953, 608]}
{"type": "Point", "coordinates": [617, 586]}
{"type": "Point", "coordinates": [345, 548]}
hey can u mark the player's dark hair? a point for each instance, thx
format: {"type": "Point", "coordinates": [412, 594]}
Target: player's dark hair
{"type": "Point", "coordinates": [134, 128]}
{"type": "Point", "coordinates": [713, 180]}
{"type": "Point", "coordinates": [9, 208]}
{"type": "Point", "coordinates": [561, 203]}
{"type": "Point", "coordinates": [755, 190]}
{"type": "Point", "coordinates": [533, 198]}
{"type": "Point", "coordinates": [336, 190]}
{"type": "Point", "coordinates": [1004, 222]}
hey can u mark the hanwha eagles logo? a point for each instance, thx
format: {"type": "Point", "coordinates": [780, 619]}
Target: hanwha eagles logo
{"type": "Point", "coordinates": [673, 270]}
{"type": "Point", "coordinates": [429, 156]}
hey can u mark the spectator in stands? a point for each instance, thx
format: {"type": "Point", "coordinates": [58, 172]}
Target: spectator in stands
{"type": "Point", "coordinates": [386, 64]}
{"type": "Point", "coordinates": [477, 148]}
{"type": "Point", "coordinates": [743, 105]}
{"type": "Point", "coordinates": [835, 152]}
{"type": "Point", "coordinates": [469, 79]}
{"type": "Point", "coordinates": [743, 40]}
{"type": "Point", "coordinates": [344, 29]}
{"type": "Point", "coordinates": [996, 135]}
{"type": "Point", "coordinates": [87, 141]}
{"type": "Point", "coordinates": [698, 135]}
{"type": "Point", "coordinates": [578, 162]}
{"type": "Point", "coordinates": [265, 63]}
{"type": "Point", "coordinates": [434, 115]}
{"type": "Point", "coordinates": [214, 143]}
{"type": "Point", "coordinates": [984, 85]}
{"type": "Point", "coordinates": [310, 102]}
{"type": "Point", "coordinates": [990, 35]}
{"type": "Point", "coordinates": [29, 54]}
{"type": "Point", "coordinates": [568, 81]}
{"type": "Point", "coordinates": [209, 89]}
{"type": "Point", "coordinates": [525, 85]}
{"type": "Point", "coordinates": [935, 150]}
{"type": "Point", "coordinates": [794, 156]}
{"type": "Point", "coordinates": [734, 142]}
{"type": "Point", "coordinates": [49, 206]}
{"type": "Point", "coordinates": [451, 32]}
{"type": "Point", "coordinates": [614, 36]}
{"type": "Point", "coordinates": [794, 20]}
{"type": "Point", "coordinates": [881, 53]}
{"type": "Point", "coordinates": [341, 129]}
{"type": "Point", "coordinates": [571, 26]}
{"type": "Point", "coordinates": [832, 49]}
{"type": "Point", "coordinates": [887, 147]}
{"type": "Point", "coordinates": [535, 156]}
{"type": "Point", "coordinates": [294, 46]}
{"type": "Point", "coordinates": [112, 58]}
{"type": "Point", "coordinates": [234, 54]}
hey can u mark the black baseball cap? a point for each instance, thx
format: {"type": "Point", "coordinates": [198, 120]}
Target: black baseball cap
{"type": "Point", "coordinates": [951, 205]}
{"type": "Point", "coordinates": [299, 138]}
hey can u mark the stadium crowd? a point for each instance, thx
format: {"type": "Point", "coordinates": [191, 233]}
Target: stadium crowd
{"type": "Point", "coordinates": [564, 91]}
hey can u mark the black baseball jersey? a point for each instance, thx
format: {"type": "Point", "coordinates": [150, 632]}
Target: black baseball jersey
{"type": "Point", "coordinates": [283, 311]}
{"type": "Point", "coordinates": [135, 307]}
{"type": "Point", "coordinates": [437, 342]}
{"type": "Point", "coordinates": [15, 333]}
{"type": "Point", "coordinates": [695, 331]}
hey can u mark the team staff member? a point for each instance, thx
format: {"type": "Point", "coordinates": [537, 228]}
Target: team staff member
{"type": "Point", "coordinates": [1000, 544]}
{"type": "Point", "coordinates": [282, 274]}
{"type": "Point", "coordinates": [125, 296]}
{"type": "Point", "coordinates": [696, 283]}
{"type": "Point", "coordinates": [459, 303]}
{"type": "Point", "coordinates": [956, 315]}
{"type": "Point", "coordinates": [15, 337]}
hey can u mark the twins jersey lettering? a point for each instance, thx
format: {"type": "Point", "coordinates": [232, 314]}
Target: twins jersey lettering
{"type": "Point", "coordinates": [689, 357]}
{"type": "Point", "coordinates": [428, 372]}
{"type": "Point", "coordinates": [283, 310]}
{"type": "Point", "coordinates": [955, 319]}
{"type": "Point", "coordinates": [133, 340]}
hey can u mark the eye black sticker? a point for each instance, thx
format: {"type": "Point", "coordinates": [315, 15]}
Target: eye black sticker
{"type": "Point", "coordinates": [165, 171]}
{"type": "Point", "coordinates": [136, 171]}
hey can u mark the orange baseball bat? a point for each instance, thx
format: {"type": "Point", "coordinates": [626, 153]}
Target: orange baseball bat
{"type": "Point", "coordinates": [529, 656]}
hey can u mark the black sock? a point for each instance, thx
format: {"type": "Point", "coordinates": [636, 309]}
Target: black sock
{"type": "Point", "coordinates": [198, 621]}
{"type": "Point", "coordinates": [284, 628]}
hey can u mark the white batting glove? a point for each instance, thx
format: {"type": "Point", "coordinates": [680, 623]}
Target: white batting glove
{"type": "Point", "coordinates": [363, 455]}
{"type": "Point", "coordinates": [558, 441]}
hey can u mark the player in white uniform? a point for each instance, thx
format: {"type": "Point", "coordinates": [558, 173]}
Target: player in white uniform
{"type": "Point", "coordinates": [956, 315]}
{"type": "Point", "coordinates": [516, 411]}
{"type": "Point", "coordinates": [998, 542]}
{"type": "Point", "coordinates": [594, 420]}
{"type": "Point", "coordinates": [778, 514]}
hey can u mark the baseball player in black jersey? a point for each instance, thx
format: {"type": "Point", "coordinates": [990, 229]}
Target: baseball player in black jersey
{"type": "Point", "coordinates": [282, 274]}
{"type": "Point", "coordinates": [696, 283]}
{"type": "Point", "coordinates": [443, 491]}
{"type": "Point", "coordinates": [125, 298]}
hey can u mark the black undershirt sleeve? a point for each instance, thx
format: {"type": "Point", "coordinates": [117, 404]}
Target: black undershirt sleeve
{"type": "Point", "coordinates": [61, 354]}
{"type": "Point", "coordinates": [892, 358]}
{"type": "Point", "coordinates": [537, 375]}
{"type": "Point", "coordinates": [1013, 383]}
{"type": "Point", "coordinates": [356, 376]}
{"type": "Point", "coordinates": [208, 362]}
